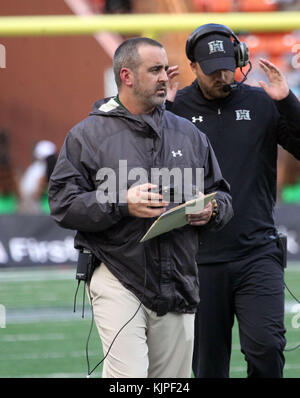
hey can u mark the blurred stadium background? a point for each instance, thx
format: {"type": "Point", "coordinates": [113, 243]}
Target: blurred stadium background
{"type": "Point", "coordinates": [48, 83]}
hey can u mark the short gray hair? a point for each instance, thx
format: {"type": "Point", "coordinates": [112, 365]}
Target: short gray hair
{"type": "Point", "coordinates": [127, 55]}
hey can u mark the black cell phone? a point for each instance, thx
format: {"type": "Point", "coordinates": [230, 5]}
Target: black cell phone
{"type": "Point", "coordinates": [167, 193]}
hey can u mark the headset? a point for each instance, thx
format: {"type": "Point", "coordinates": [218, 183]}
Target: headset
{"type": "Point", "coordinates": [241, 51]}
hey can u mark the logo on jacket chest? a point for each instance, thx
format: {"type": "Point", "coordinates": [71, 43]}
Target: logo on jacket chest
{"type": "Point", "coordinates": [197, 119]}
{"type": "Point", "coordinates": [178, 153]}
{"type": "Point", "coordinates": [242, 114]}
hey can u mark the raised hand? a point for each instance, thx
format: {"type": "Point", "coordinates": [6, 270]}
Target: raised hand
{"type": "Point", "coordinates": [172, 72]}
{"type": "Point", "coordinates": [277, 88]}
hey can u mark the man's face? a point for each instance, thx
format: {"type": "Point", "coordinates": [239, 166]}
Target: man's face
{"type": "Point", "coordinates": [212, 85]}
{"type": "Point", "coordinates": [150, 78]}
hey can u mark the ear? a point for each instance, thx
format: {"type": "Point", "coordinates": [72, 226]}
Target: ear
{"type": "Point", "coordinates": [193, 66]}
{"type": "Point", "coordinates": [126, 76]}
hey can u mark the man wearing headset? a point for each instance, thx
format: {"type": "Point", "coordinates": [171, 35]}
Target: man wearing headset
{"type": "Point", "coordinates": [143, 295]}
{"type": "Point", "coordinates": [241, 267]}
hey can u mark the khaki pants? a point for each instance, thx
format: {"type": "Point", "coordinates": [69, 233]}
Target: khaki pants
{"type": "Point", "coordinates": [149, 345]}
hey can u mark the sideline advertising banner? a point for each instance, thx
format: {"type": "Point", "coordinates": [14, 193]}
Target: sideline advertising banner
{"type": "Point", "coordinates": [27, 240]}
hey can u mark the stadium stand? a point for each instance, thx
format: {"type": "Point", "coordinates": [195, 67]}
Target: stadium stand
{"type": "Point", "coordinates": [257, 5]}
{"type": "Point", "coordinates": [213, 6]}
{"type": "Point", "coordinates": [281, 48]}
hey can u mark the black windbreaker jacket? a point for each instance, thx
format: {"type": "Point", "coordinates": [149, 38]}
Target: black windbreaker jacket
{"type": "Point", "coordinates": [244, 130]}
{"type": "Point", "coordinates": [161, 272]}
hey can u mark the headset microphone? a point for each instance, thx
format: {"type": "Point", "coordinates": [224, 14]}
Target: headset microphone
{"type": "Point", "coordinates": [230, 87]}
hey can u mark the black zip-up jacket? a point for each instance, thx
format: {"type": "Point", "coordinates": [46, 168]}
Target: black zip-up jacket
{"type": "Point", "coordinates": [244, 130]}
{"type": "Point", "coordinates": [109, 134]}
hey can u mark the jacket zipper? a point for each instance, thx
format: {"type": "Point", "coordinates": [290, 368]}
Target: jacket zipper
{"type": "Point", "coordinates": [220, 120]}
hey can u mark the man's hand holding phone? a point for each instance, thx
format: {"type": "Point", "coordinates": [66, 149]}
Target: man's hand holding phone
{"type": "Point", "coordinates": [144, 203]}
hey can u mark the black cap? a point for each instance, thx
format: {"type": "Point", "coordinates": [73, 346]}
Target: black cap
{"type": "Point", "coordinates": [215, 52]}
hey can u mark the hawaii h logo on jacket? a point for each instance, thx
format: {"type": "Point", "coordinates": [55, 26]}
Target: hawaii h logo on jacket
{"type": "Point", "coordinates": [242, 114]}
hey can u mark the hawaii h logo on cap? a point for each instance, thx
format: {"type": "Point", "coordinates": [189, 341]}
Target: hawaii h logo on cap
{"type": "Point", "coordinates": [215, 52]}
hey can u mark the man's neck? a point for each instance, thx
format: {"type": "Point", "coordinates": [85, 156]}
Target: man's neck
{"type": "Point", "coordinates": [133, 105]}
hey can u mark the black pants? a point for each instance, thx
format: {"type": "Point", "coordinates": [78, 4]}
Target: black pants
{"type": "Point", "coordinates": [253, 290]}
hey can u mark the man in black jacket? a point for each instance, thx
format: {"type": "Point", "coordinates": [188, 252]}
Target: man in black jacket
{"type": "Point", "coordinates": [240, 268]}
{"type": "Point", "coordinates": [100, 187]}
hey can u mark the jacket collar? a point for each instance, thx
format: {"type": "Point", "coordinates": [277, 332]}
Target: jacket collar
{"type": "Point", "coordinates": [143, 122]}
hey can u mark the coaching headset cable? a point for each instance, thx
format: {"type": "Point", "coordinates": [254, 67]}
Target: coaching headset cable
{"type": "Point", "coordinates": [111, 344]}
{"type": "Point", "coordinates": [297, 346]}
{"type": "Point", "coordinates": [282, 239]}
{"type": "Point", "coordinates": [83, 298]}
{"type": "Point", "coordinates": [78, 283]}
{"type": "Point", "coordinates": [246, 74]}
{"type": "Point", "coordinates": [292, 349]}
{"type": "Point", "coordinates": [291, 293]}
{"type": "Point", "coordinates": [117, 334]}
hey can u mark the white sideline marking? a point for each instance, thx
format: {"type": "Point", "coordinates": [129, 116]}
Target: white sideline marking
{"type": "Point", "coordinates": [238, 369]}
{"type": "Point", "coordinates": [36, 275]}
{"type": "Point", "coordinates": [33, 315]}
{"type": "Point", "coordinates": [12, 338]}
{"type": "Point", "coordinates": [47, 355]}
{"type": "Point", "coordinates": [56, 273]}
{"type": "Point", "coordinates": [55, 375]}
{"type": "Point", "coordinates": [291, 307]}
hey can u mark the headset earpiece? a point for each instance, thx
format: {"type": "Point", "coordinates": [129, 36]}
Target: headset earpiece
{"type": "Point", "coordinates": [241, 50]}
{"type": "Point", "coordinates": [242, 55]}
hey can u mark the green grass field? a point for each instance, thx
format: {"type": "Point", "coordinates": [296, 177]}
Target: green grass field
{"type": "Point", "coordinates": [43, 337]}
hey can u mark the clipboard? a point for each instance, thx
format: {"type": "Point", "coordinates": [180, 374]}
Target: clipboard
{"type": "Point", "coordinates": [176, 217]}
